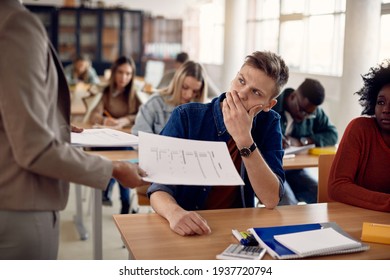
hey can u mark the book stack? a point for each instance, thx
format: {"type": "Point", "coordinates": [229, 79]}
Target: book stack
{"type": "Point", "coordinates": [306, 240]}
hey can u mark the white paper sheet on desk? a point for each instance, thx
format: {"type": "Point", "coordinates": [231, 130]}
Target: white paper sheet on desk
{"type": "Point", "coordinates": [175, 161]}
{"type": "Point", "coordinates": [292, 150]}
{"type": "Point", "coordinates": [103, 137]}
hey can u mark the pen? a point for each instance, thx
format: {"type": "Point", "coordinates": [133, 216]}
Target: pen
{"type": "Point", "coordinates": [107, 114]}
{"type": "Point", "coordinates": [245, 238]}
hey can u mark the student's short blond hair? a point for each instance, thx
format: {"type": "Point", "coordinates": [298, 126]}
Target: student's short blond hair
{"type": "Point", "coordinates": [272, 65]}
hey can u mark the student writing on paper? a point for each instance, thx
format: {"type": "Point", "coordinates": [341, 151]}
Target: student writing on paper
{"type": "Point", "coordinates": [303, 122]}
{"type": "Point", "coordinates": [360, 171]}
{"type": "Point", "coordinates": [36, 158]}
{"type": "Point", "coordinates": [117, 109]}
{"type": "Point", "coordinates": [243, 119]}
{"type": "Point", "coordinates": [119, 104]}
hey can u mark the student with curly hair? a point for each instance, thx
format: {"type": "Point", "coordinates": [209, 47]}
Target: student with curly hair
{"type": "Point", "coordinates": [365, 146]}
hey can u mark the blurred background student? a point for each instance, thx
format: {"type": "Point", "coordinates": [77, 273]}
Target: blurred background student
{"type": "Point", "coordinates": [119, 103]}
{"type": "Point", "coordinates": [212, 89]}
{"type": "Point", "coordinates": [188, 85]}
{"type": "Point", "coordinates": [117, 109]}
{"type": "Point", "coordinates": [81, 70]}
{"type": "Point", "coordinates": [303, 122]}
{"type": "Point", "coordinates": [168, 75]}
{"type": "Point", "coordinates": [360, 171]}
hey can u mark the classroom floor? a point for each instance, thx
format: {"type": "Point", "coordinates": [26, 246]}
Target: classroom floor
{"type": "Point", "coordinates": [73, 248]}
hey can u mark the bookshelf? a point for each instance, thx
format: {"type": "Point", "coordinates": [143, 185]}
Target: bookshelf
{"type": "Point", "coordinates": [162, 39]}
{"type": "Point", "coordinates": [102, 34]}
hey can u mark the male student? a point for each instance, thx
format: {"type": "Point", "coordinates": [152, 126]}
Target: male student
{"type": "Point", "coordinates": [303, 122]}
{"type": "Point", "coordinates": [241, 117]}
{"type": "Point", "coordinates": [36, 159]}
{"type": "Point", "coordinates": [168, 75]}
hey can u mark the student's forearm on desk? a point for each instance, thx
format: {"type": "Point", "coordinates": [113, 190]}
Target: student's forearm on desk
{"type": "Point", "coordinates": [180, 221]}
{"type": "Point", "coordinates": [164, 204]}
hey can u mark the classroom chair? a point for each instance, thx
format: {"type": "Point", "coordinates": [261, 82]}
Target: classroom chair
{"type": "Point", "coordinates": [142, 199]}
{"type": "Point", "coordinates": [91, 101]}
{"type": "Point", "coordinates": [324, 164]}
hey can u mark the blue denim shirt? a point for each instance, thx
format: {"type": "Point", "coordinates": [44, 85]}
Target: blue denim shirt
{"type": "Point", "coordinates": [199, 121]}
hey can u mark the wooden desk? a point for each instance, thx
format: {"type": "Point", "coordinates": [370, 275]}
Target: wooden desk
{"type": "Point", "coordinates": [148, 236]}
{"type": "Point", "coordinates": [300, 161]}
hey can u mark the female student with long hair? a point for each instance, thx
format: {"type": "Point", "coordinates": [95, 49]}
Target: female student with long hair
{"type": "Point", "coordinates": [188, 85]}
{"type": "Point", "coordinates": [119, 104]}
{"type": "Point", "coordinates": [117, 109]}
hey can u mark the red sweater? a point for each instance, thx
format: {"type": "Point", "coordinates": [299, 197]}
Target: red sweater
{"type": "Point", "coordinates": [360, 174]}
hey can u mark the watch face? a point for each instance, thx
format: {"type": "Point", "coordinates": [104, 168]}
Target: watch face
{"type": "Point", "coordinates": [245, 152]}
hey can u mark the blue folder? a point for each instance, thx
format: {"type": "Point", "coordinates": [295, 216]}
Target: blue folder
{"type": "Point", "coordinates": [266, 234]}
{"type": "Point", "coordinates": [265, 237]}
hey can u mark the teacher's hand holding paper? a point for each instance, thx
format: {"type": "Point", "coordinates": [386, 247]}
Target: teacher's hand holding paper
{"type": "Point", "coordinates": [128, 174]}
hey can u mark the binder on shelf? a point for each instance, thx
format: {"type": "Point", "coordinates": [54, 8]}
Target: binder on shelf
{"type": "Point", "coordinates": [376, 233]}
{"type": "Point", "coordinates": [266, 238]}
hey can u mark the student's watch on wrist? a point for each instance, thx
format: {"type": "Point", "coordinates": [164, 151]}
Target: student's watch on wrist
{"type": "Point", "coordinates": [246, 152]}
{"type": "Point", "coordinates": [304, 141]}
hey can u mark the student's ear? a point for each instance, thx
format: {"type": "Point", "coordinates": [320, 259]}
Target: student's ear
{"type": "Point", "coordinates": [271, 104]}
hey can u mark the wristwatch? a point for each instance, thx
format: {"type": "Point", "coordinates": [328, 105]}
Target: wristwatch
{"type": "Point", "coordinates": [304, 141]}
{"type": "Point", "coordinates": [246, 152]}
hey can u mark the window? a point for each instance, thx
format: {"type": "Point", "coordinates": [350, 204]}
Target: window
{"type": "Point", "coordinates": [384, 51]}
{"type": "Point", "coordinates": [212, 24]}
{"type": "Point", "coordinates": [263, 25]}
{"type": "Point", "coordinates": [307, 33]}
{"type": "Point", "coordinates": [203, 32]}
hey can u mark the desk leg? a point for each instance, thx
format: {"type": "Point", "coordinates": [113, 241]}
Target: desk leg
{"type": "Point", "coordinates": [97, 225]}
{"type": "Point", "coordinates": [78, 218]}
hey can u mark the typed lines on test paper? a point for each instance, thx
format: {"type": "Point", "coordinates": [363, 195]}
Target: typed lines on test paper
{"type": "Point", "coordinates": [175, 161]}
{"type": "Point", "coordinates": [179, 161]}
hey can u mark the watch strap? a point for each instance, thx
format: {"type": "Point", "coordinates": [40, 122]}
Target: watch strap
{"type": "Point", "coordinates": [246, 152]}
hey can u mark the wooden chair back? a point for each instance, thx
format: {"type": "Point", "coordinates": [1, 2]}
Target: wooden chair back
{"type": "Point", "coordinates": [143, 199]}
{"type": "Point", "coordinates": [90, 103]}
{"type": "Point", "coordinates": [324, 164]}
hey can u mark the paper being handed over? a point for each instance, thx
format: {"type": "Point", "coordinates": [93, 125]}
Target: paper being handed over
{"type": "Point", "coordinates": [175, 161]}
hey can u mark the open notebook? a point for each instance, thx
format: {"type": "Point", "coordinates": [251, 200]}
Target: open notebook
{"type": "Point", "coordinates": [305, 240]}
